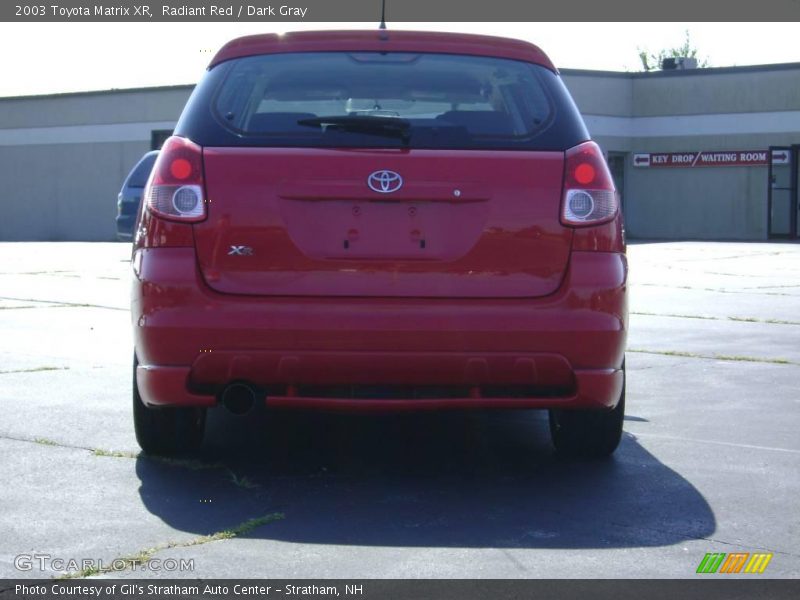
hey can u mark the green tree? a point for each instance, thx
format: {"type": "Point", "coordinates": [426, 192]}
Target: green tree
{"type": "Point", "coordinates": [652, 61]}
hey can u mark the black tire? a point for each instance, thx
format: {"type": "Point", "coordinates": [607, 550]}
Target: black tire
{"type": "Point", "coordinates": [588, 433]}
{"type": "Point", "coordinates": [166, 430]}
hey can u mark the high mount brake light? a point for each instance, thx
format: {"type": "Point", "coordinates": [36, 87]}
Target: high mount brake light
{"type": "Point", "coordinates": [175, 188]}
{"type": "Point", "coordinates": [590, 197]}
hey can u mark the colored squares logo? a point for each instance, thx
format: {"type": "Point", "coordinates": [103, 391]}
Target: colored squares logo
{"type": "Point", "coordinates": [735, 562]}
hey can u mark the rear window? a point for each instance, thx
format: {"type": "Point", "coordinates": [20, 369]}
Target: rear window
{"type": "Point", "coordinates": [371, 99]}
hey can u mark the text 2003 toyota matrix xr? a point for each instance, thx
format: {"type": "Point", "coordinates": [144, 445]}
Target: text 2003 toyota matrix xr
{"type": "Point", "coordinates": [373, 221]}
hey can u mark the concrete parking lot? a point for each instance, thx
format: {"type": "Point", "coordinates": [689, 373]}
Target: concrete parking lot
{"type": "Point", "coordinates": [710, 461]}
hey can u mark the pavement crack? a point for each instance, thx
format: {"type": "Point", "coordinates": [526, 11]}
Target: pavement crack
{"type": "Point", "coordinates": [507, 553]}
{"type": "Point", "coordinates": [62, 304]}
{"type": "Point", "coordinates": [659, 436]}
{"type": "Point", "coordinates": [710, 318]}
{"type": "Point", "coordinates": [749, 546]}
{"type": "Point", "coordinates": [241, 481]}
{"type": "Point", "coordinates": [707, 289]}
{"type": "Point", "coordinates": [726, 357]}
{"type": "Point", "coordinates": [769, 287]}
{"type": "Point", "coordinates": [42, 441]}
{"type": "Point", "coordinates": [34, 370]}
{"type": "Point", "coordinates": [20, 307]}
{"type": "Point", "coordinates": [185, 463]}
{"type": "Point", "coordinates": [124, 563]}
{"type": "Point", "coordinates": [58, 272]}
{"type": "Point", "coordinates": [45, 441]}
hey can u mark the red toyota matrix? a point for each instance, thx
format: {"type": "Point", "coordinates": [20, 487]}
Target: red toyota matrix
{"type": "Point", "coordinates": [380, 221]}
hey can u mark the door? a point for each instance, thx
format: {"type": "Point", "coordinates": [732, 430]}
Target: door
{"type": "Point", "coordinates": [616, 164]}
{"type": "Point", "coordinates": [782, 194]}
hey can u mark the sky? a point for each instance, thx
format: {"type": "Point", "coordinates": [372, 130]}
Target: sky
{"type": "Point", "coordinates": [44, 58]}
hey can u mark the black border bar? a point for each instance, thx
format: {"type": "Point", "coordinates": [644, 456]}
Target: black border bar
{"type": "Point", "coordinates": [398, 11]}
{"type": "Point", "coordinates": [713, 587]}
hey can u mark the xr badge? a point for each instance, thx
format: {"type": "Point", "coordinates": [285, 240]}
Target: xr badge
{"type": "Point", "coordinates": [240, 251]}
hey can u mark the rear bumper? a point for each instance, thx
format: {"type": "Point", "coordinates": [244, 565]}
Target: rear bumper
{"type": "Point", "coordinates": [564, 350]}
{"type": "Point", "coordinates": [598, 388]}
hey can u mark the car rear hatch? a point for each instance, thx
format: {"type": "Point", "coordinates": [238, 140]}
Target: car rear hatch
{"type": "Point", "coordinates": [306, 222]}
{"type": "Point", "coordinates": [397, 174]}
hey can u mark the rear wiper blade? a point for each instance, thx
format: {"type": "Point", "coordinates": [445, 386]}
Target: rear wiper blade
{"type": "Point", "coordinates": [390, 126]}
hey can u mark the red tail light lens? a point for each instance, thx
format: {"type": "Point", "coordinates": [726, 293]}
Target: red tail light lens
{"type": "Point", "coordinates": [589, 194]}
{"type": "Point", "coordinates": [175, 188]}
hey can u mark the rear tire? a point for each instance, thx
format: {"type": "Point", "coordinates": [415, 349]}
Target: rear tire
{"type": "Point", "coordinates": [588, 433]}
{"type": "Point", "coordinates": [166, 430]}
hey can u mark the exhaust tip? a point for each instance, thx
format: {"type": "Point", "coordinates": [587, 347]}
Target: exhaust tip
{"type": "Point", "coordinates": [238, 398]}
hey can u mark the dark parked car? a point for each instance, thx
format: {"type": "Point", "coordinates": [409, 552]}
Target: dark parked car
{"type": "Point", "coordinates": [130, 196]}
{"type": "Point", "coordinates": [373, 221]}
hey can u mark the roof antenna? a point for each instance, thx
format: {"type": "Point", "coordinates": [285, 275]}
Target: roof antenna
{"type": "Point", "coordinates": [383, 15]}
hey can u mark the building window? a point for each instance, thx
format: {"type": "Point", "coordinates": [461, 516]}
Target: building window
{"type": "Point", "coordinates": [158, 137]}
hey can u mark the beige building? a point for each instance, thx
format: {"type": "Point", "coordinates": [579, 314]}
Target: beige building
{"type": "Point", "coordinates": [692, 152]}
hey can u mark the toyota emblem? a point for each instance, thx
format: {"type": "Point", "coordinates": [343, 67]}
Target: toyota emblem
{"type": "Point", "coordinates": [384, 182]}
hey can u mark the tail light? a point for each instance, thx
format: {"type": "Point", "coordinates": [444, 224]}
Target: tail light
{"type": "Point", "coordinates": [175, 188]}
{"type": "Point", "coordinates": [589, 194]}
